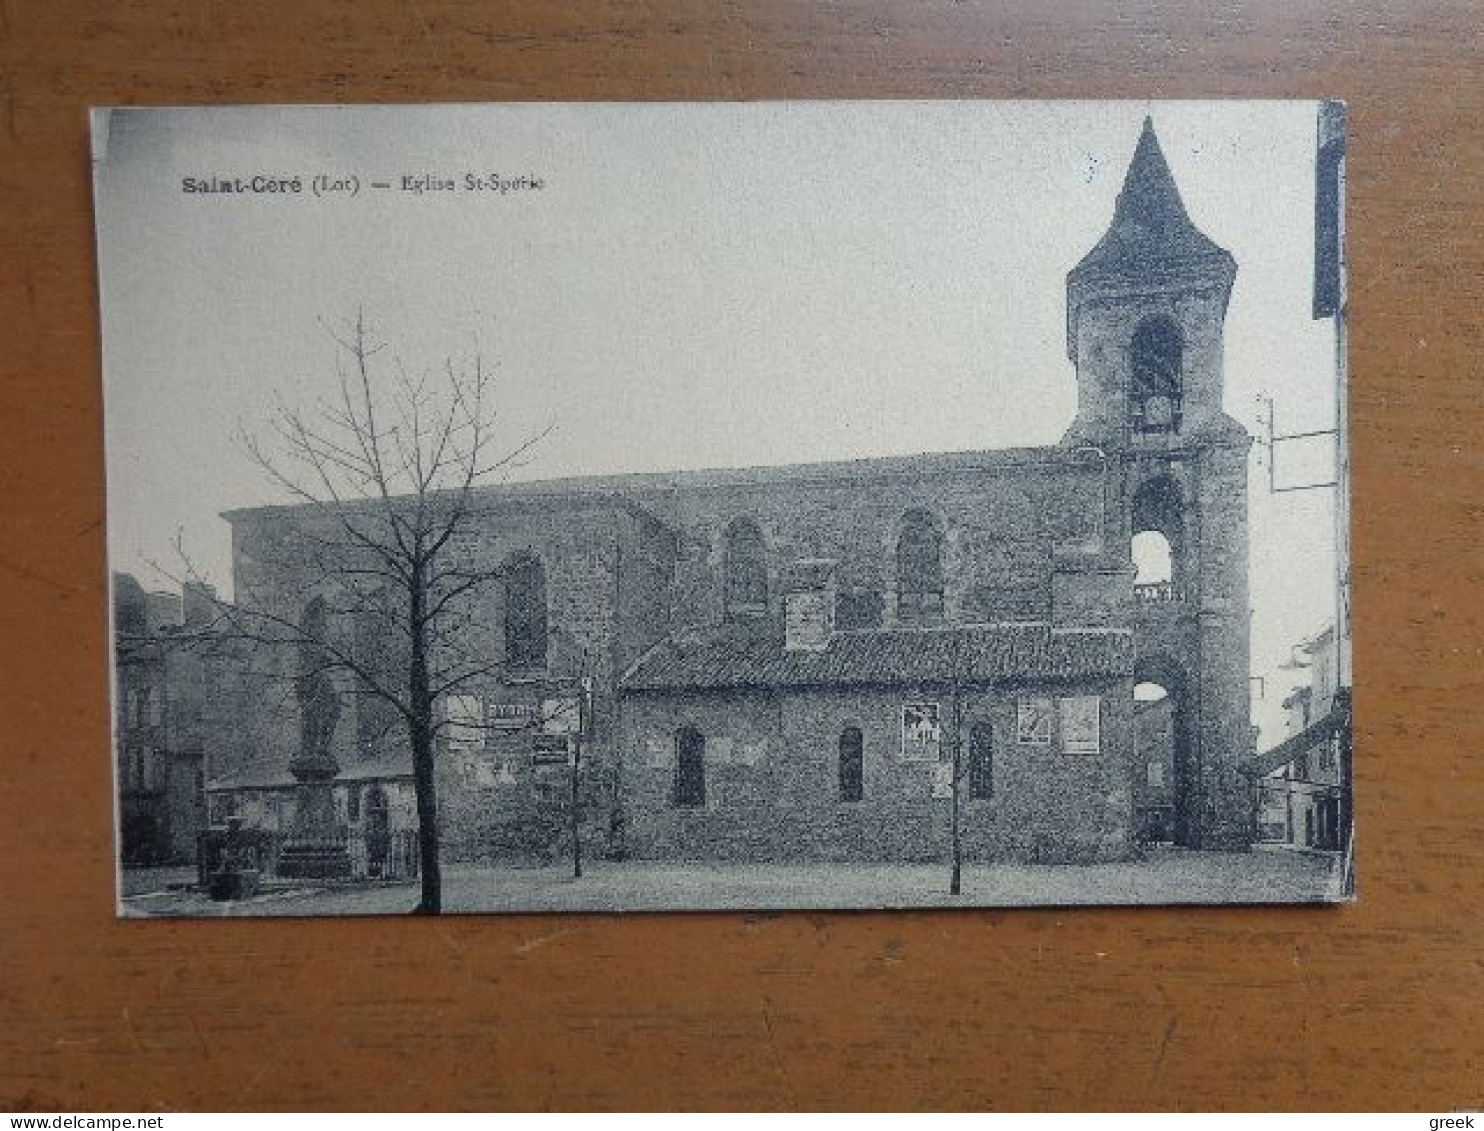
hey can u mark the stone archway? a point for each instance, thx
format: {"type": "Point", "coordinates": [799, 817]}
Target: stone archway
{"type": "Point", "coordinates": [1173, 814]}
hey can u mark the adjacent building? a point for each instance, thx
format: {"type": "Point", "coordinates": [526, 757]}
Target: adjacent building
{"type": "Point", "coordinates": [1303, 781]}
{"type": "Point", "coordinates": [163, 720]}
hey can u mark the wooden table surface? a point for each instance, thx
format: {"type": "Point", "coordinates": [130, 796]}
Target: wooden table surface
{"type": "Point", "coordinates": [1377, 1004]}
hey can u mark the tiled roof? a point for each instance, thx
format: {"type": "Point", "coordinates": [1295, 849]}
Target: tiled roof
{"type": "Point", "coordinates": [721, 658]}
{"type": "Point", "coordinates": [267, 774]}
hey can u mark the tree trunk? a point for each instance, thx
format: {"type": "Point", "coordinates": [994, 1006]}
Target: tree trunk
{"type": "Point", "coordinates": [955, 882]}
{"type": "Point", "coordinates": [427, 822]}
{"type": "Point", "coordinates": [421, 728]}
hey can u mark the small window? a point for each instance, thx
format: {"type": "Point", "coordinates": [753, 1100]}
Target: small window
{"type": "Point", "coordinates": [690, 769]}
{"type": "Point", "coordinates": [981, 762]}
{"type": "Point", "coordinates": [852, 765]}
{"type": "Point", "coordinates": [353, 804]}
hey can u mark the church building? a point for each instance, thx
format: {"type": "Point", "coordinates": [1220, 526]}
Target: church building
{"type": "Point", "coordinates": [787, 663]}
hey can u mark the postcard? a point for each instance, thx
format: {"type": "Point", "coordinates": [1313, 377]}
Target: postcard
{"type": "Point", "coordinates": [608, 507]}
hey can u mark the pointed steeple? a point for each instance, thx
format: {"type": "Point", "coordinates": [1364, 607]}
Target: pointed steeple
{"type": "Point", "coordinates": [1151, 243]}
{"type": "Point", "coordinates": [1149, 205]}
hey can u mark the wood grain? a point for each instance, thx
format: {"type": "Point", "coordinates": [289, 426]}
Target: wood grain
{"type": "Point", "coordinates": [1378, 1004]}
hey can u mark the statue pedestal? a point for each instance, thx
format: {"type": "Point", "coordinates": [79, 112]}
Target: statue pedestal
{"type": "Point", "coordinates": [316, 848]}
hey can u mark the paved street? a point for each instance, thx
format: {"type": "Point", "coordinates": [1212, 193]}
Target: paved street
{"type": "Point", "coordinates": [1169, 875]}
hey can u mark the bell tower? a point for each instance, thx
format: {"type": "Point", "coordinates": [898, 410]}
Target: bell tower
{"type": "Point", "coordinates": [1146, 311]}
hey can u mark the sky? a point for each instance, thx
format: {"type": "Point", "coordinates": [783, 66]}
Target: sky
{"type": "Point", "coordinates": [696, 285]}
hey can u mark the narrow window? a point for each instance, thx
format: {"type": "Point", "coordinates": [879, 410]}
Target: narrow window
{"type": "Point", "coordinates": [919, 569]}
{"type": "Point", "coordinates": [852, 768]}
{"type": "Point", "coordinates": [981, 761]}
{"type": "Point", "coordinates": [1155, 360]}
{"type": "Point", "coordinates": [690, 769]}
{"type": "Point", "coordinates": [746, 571]}
{"type": "Point", "coordinates": [525, 612]}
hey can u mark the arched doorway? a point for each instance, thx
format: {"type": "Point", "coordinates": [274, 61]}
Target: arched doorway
{"type": "Point", "coordinates": [378, 833]}
{"type": "Point", "coordinates": [1165, 749]}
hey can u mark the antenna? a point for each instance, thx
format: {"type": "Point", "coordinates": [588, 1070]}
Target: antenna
{"type": "Point", "coordinates": [1270, 438]}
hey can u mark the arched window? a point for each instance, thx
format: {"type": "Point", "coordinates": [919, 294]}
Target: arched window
{"type": "Point", "coordinates": [690, 768]}
{"type": "Point", "coordinates": [919, 569]}
{"type": "Point", "coordinates": [852, 767]}
{"type": "Point", "coordinates": [525, 612]}
{"type": "Point", "coordinates": [1157, 526]}
{"type": "Point", "coordinates": [981, 761]}
{"type": "Point", "coordinates": [1155, 360]}
{"type": "Point", "coordinates": [746, 570]}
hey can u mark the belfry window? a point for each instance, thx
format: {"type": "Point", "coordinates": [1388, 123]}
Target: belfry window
{"type": "Point", "coordinates": [746, 571]}
{"type": "Point", "coordinates": [919, 569]}
{"type": "Point", "coordinates": [525, 612]}
{"type": "Point", "coordinates": [1156, 356]}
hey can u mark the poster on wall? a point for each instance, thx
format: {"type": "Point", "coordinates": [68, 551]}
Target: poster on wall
{"type": "Point", "coordinates": [1034, 719]}
{"type": "Point", "coordinates": [463, 718]}
{"type": "Point", "coordinates": [922, 732]}
{"type": "Point", "coordinates": [1080, 723]}
{"type": "Point", "coordinates": [668, 419]}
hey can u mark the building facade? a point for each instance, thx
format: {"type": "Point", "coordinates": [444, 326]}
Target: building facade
{"type": "Point", "coordinates": [787, 663]}
{"type": "Point", "coordinates": [162, 702]}
{"type": "Point", "coordinates": [1304, 778]}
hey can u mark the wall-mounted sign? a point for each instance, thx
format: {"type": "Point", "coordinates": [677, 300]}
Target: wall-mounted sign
{"type": "Point", "coordinates": [922, 732]}
{"type": "Point", "coordinates": [943, 780]}
{"type": "Point", "coordinates": [659, 753]}
{"type": "Point", "coordinates": [806, 620]}
{"type": "Point", "coordinates": [1080, 718]}
{"type": "Point", "coordinates": [561, 716]}
{"type": "Point", "coordinates": [551, 749]}
{"type": "Point", "coordinates": [1033, 721]}
{"type": "Point", "coordinates": [509, 716]}
{"type": "Point", "coordinates": [464, 717]}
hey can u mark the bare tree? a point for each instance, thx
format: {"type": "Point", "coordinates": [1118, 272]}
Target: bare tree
{"type": "Point", "coordinates": [386, 473]}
